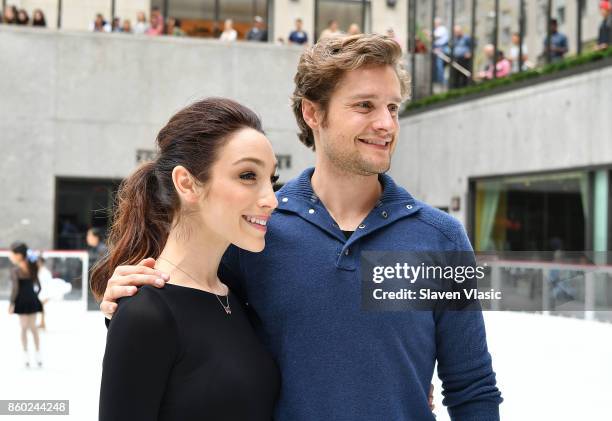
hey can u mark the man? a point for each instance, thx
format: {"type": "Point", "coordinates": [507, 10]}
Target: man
{"type": "Point", "coordinates": [258, 31]}
{"type": "Point", "coordinates": [339, 362]}
{"type": "Point", "coordinates": [514, 53]}
{"type": "Point", "coordinates": [558, 43]}
{"type": "Point", "coordinates": [462, 54]}
{"type": "Point", "coordinates": [440, 45]}
{"type": "Point", "coordinates": [298, 36]}
{"type": "Point", "coordinates": [605, 29]}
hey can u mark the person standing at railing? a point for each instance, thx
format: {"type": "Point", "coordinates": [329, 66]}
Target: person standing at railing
{"type": "Point", "coordinates": [353, 29]}
{"type": "Point", "coordinates": [332, 30]}
{"type": "Point", "coordinates": [10, 15]}
{"type": "Point", "coordinates": [605, 29]}
{"type": "Point", "coordinates": [141, 26]}
{"type": "Point", "coordinates": [100, 24]}
{"type": "Point", "coordinates": [501, 63]}
{"type": "Point", "coordinates": [462, 55]}
{"type": "Point", "coordinates": [298, 36]}
{"type": "Point", "coordinates": [22, 17]}
{"type": "Point", "coordinates": [514, 54]}
{"type": "Point", "coordinates": [157, 23]}
{"type": "Point", "coordinates": [440, 45]}
{"type": "Point", "coordinates": [258, 31]}
{"type": "Point", "coordinates": [229, 34]}
{"type": "Point", "coordinates": [558, 43]}
{"type": "Point", "coordinates": [24, 298]}
{"type": "Point", "coordinates": [38, 19]}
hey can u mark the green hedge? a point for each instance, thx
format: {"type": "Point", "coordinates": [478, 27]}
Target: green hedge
{"type": "Point", "coordinates": [568, 63]}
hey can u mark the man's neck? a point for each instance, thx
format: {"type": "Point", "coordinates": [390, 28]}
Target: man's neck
{"type": "Point", "coordinates": [348, 197]}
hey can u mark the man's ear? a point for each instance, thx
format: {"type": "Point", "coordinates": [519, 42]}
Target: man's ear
{"type": "Point", "coordinates": [187, 187]}
{"type": "Point", "coordinates": [311, 114]}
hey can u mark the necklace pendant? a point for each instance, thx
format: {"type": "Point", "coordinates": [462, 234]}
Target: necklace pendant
{"type": "Point", "coordinates": [228, 311]}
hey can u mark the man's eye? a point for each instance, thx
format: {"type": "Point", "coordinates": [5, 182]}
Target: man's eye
{"type": "Point", "coordinates": [364, 105]}
{"type": "Point", "coordinates": [248, 176]}
{"type": "Point", "coordinates": [393, 108]}
{"type": "Point", "coordinates": [274, 178]}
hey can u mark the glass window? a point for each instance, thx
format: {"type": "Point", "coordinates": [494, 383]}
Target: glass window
{"type": "Point", "coordinates": [345, 12]}
{"type": "Point", "coordinates": [545, 213]}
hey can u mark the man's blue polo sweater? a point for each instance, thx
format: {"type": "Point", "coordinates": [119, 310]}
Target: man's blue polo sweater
{"type": "Point", "coordinates": [339, 362]}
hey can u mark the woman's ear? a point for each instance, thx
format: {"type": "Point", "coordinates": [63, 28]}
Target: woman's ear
{"type": "Point", "coordinates": [187, 187]}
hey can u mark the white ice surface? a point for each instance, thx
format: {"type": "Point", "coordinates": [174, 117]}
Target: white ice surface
{"type": "Point", "coordinates": [548, 368]}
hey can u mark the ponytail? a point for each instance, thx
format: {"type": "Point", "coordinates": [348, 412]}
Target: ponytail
{"type": "Point", "coordinates": [140, 226]}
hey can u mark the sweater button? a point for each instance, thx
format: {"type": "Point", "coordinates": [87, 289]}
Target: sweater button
{"type": "Point", "coordinates": [284, 200]}
{"type": "Point", "coordinates": [408, 206]}
{"type": "Point", "coordinates": [311, 211]}
{"type": "Point", "coordinates": [384, 214]}
{"type": "Point", "coordinates": [361, 226]}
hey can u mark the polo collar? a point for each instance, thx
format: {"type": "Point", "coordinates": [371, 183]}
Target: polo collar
{"type": "Point", "coordinates": [297, 196]}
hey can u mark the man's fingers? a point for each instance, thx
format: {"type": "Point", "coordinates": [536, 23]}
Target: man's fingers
{"type": "Point", "coordinates": [136, 280]}
{"type": "Point", "coordinates": [108, 309]}
{"type": "Point", "coordinates": [142, 270]}
{"type": "Point", "coordinates": [113, 293]}
{"type": "Point", "coordinates": [149, 261]}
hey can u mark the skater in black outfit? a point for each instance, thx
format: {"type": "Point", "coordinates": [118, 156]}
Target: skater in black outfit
{"type": "Point", "coordinates": [24, 297]}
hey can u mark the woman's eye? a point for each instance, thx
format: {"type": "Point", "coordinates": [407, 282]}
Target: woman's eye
{"type": "Point", "coordinates": [274, 178]}
{"type": "Point", "coordinates": [248, 176]}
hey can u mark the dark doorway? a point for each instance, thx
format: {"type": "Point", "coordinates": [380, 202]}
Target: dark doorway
{"type": "Point", "coordinates": [81, 204]}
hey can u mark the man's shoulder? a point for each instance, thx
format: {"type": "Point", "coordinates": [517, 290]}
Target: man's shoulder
{"type": "Point", "coordinates": [443, 223]}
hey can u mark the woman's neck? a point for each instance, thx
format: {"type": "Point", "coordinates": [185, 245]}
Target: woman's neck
{"type": "Point", "coordinates": [193, 259]}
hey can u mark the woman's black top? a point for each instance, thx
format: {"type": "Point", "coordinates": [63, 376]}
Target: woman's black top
{"type": "Point", "coordinates": [174, 354]}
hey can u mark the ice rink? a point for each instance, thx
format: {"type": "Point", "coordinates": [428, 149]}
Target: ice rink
{"type": "Point", "coordinates": [548, 368]}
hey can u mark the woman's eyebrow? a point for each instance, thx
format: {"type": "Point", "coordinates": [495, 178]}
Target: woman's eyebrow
{"type": "Point", "coordinates": [249, 159]}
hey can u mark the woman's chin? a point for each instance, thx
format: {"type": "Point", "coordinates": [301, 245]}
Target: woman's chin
{"type": "Point", "coordinates": [254, 245]}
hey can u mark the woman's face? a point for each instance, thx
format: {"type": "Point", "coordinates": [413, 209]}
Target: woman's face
{"type": "Point", "coordinates": [239, 199]}
{"type": "Point", "coordinates": [37, 16]}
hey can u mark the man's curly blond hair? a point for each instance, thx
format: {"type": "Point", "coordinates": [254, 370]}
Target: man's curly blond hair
{"type": "Point", "coordinates": [323, 65]}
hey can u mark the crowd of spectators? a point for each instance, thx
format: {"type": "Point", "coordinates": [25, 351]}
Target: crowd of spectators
{"type": "Point", "coordinates": [13, 16]}
{"type": "Point", "coordinates": [496, 63]}
{"type": "Point", "coordinates": [158, 25]}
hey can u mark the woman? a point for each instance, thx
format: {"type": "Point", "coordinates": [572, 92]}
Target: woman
{"type": "Point", "coordinates": [10, 15]}
{"type": "Point", "coordinates": [38, 18]}
{"type": "Point", "coordinates": [141, 25]}
{"type": "Point", "coordinates": [22, 17]}
{"type": "Point", "coordinates": [24, 299]}
{"type": "Point", "coordinates": [188, 351]}
{"type": "Point", "coordinates": [229, 34]}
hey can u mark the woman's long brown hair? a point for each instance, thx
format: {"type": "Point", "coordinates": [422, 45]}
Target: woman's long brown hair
{"type": "Point", "coordinates": [147, 201]}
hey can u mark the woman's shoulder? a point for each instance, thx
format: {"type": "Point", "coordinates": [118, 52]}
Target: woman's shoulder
{"type": "Point", "coordinates": [147, 306]}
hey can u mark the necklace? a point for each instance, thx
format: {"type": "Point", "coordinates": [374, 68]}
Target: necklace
{"type": "Point", "coordinates": [226, 307]}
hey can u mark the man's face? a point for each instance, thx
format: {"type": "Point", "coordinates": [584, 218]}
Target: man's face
{"type": "Point", "coordinates": [362, 124]}
{"type": "Point", "coordinates": [298, 25]}
{"type": "Point", "coordinates": [604, 12]}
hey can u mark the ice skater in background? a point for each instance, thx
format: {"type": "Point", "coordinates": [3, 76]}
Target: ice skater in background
{"type": "Point", "coordinates": [24, 298]}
